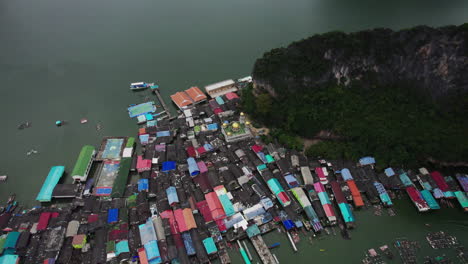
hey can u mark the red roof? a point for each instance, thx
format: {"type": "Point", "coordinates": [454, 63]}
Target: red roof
{"type": "Point", "coordinates": [257, 148]}
{"type": "Point", "coordinates": [328, 210]}
{"type": "Point", "coordinates": [168, 214]}
{"type": "Point", "coordinates": [231, 96]}
{"type": "Point", "coordinates": [201, 150]}
{"type": "Point", "coordinates": [191, 152]}
{"type": "Point", "coordinates": [357, 199]}
{"type": "Point", "coordinates": [43, 220]}
{"type": "Point", "coordinates": [196, 94]}
{"type": "Point", "coordinates": [205, 211]}
{"type": "Point", "coordinates": [440, 181]}
{"type": "Point", "coordinates": [218, 110]}
{"type": "Point", "coordinates": [181, 99]}
{"type": "Point", "coordinates": [178, 241]}
{"type": "Point", "coordinates": [203, 182]}
{"type": "Point", "coordinates": [284, 198]}
{"type": "Point", "coordinates": [221, 225]}
{"type": "Point", "coordinates": [93, 218]}
{"type": "Point", "coordinates": [179, 217]}
{"type": "Point", "coordinates": [142, 131]}
{"type": "Point", "coordinates": [320, 173]}
{"type": "Point", "coordinates": [54, 214]}
{"type": "Point", "coordinates": [339, 196]}
{"type": "Point", "coordinates": [215, 206]}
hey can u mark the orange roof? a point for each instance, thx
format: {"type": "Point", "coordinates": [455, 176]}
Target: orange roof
{"type": "Point", "coordinates": [196, 94]}
{"type": "Point", "coordinates": [181, 99]}
{"type": "Point", "coordinates": [189, 219]}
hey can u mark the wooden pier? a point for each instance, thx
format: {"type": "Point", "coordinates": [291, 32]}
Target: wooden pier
{"type": "Point", "coordinates": [163, 104]}
{"type": "Point", "coordinates": [262, 250]}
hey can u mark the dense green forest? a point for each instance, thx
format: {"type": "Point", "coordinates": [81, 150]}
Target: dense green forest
{"type": "Point", "coordinates": [395, 125]}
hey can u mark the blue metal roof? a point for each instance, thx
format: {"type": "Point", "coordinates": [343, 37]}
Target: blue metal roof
{"type": "Point", "coordinates": [143, 185]}
{"type": "Point", "coordinates": [112, 215]}
{"type": "Point", "coordinates": [346, 174]}
{"type": "Point", "coordinates": [367, 161]}
{"type": "Point", "coordinates": [389, 172]}
{"type": "Point", "coordinates": [168, 166]}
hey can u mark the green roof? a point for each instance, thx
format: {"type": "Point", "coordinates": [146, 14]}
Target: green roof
{"type": "Point", "coordinates": [197, 129]}
{"type": "Point", "coordinates": [253, 230]}
{"type": "Point", "coordinates": [81, 165]}
{"type": "Point", "coordinates": [118, 189]}
{"type": "Point", "coordinates": [9, 259]}
{"type": "Point", "coordinates": [269, 158]}
{"type": "Point", "coordinates": [2, 242]}
{"type": "Point", "coordinates": [130, 142]}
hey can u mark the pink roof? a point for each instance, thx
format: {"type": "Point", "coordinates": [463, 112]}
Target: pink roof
{"type": "Point", "coordinates": [218, 110]}
{"type": "Point", "coordinates": [191, 152]}
{"type": "Point", "coordinates": [319, 172]}
{"type": "Point", "coordinates": [414, 194]}
{"type": "Point", "coordinates": [257, 148]}
{"type": "Point", "coordinates": [43, 220]}
{"type": "Point", "coordinates": [328, 210]}
{"type": "Point", "coordinates": [143, 164]}
{"type": "Point", "coordinates": [168, 214]}
{"type": "Point", "coordinates": [205, 211]}
{"type": "Point", "coordinates": [215, 206]}
{"type": "Point", "coordinates": [319, 187]}
{"type": "Point", "coordinates": [231, 96]}
{"type": "Point", "coordinates": [202, 166]}
{"type": "Point", "coordinates": [179, 217]}
{"type": "Point", "coordinates": [196, 94]}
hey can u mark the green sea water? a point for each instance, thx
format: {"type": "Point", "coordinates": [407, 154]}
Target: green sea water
{"type": "Point", "coordinates": [67, 60]}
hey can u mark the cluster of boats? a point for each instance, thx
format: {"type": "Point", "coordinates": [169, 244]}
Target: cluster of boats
{"type": "Point", "coordinates": [10, 205]}
{"type": "Point", "coordinates": [142, 85]}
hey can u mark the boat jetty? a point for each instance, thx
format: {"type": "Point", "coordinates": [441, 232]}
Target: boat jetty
{"type": "Point", "coordinates": [190, 187]}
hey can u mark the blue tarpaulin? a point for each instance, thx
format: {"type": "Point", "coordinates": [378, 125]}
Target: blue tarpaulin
{"type": "Point", "coordinates": [212, 127]}
{"type": "Point", "coordinates": [143, 185]}
{"type": "Point", "coordinates": [103, 191]}
{"type": "Point", "coordinates": [288, 224]}
{"type": "Point", "coordinates": [193, 167]}
{"type": "Point", "coordinates": [152, 251]}
{"type": "Point", "coordinates": [112, 215]}
{"type": "Point", "coordinates": [168, 166]}
{"type": "Point", "coordinates": [163, 134]}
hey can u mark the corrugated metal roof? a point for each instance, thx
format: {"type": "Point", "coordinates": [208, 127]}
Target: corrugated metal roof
{"type": "Point", "coordinates": [181, 99]}
{"type": "Point", "coordinates": [217, 85]}
{"type": "Point", "coordinates": [196, 94]}
{"type": "Point", "coordinates": [210, 245]}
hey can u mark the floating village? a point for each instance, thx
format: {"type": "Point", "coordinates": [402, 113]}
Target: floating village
{"type": "Point", "coordinates": [194, 185]}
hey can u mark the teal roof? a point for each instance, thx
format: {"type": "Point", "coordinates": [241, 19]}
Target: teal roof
{"type": "Point", "coordinates": [461, 197]}
{"type": "Point", "coordinates": [253, 230]}
{"type": "Point", "coordinates": [405, 180]}
{"type": "Point", "coordinates": [121, 247]}
{"type": "Point", "coordinates": [219, 100]}
{"type": "Point", "coordinates": [45, 194]}
{"type": "Point", "coordinates": [227, 204]}
{"type": "Point", "coordinates": [275, 186]}
{"type": "Point", "coordinates": [11, 240]}
{"type": "Point", "coordinates": [82, 163]}
{"type": "Point", "coordinates": [269, 158]}
{"type": "Point", "coordinates": [385, 199]}
{"type": "Point", "coordinates": [9, 259]}
{"type": "Point", "coordinates": [261, 167]}
{"type": "Point", "coordinates": [427, 196]}
{"type": "Point", "coordinates": [346, 212]}
{"type": "Point", "coordinates": [210, 245]}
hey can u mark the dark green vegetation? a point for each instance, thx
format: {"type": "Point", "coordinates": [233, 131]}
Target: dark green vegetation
{"type": "Point", "coordinates": [391, 123]}
{"type": "Point", "coordinates": [399, 96]}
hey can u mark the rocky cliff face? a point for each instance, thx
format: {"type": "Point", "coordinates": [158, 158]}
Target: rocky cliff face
{"type": "Point", "coordinates": [434, 60]}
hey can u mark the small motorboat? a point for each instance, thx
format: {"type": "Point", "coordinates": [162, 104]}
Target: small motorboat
{"type": "Point", "coordinates": [138, 86]}
{"type": "Point", "coordinates": [83, 121]}
{"type": "Point", "coordinates": [277, 244]}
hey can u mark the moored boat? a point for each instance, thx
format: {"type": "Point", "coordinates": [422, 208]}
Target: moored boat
{"type": "Point", "coordinates": [140, 85]}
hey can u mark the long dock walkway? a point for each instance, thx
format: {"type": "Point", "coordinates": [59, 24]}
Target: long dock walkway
{"type": "Point", "coordinates": [262, 250]}
{"type": "Point", "coordinates": [163, 104]}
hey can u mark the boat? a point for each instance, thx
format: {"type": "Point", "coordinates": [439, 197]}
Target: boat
{"type": "Point", "coordinates": [24, 125]}
{"type": "Point", "coordinates": [11, 198]}
{"type": "Point", "coordinates": [386, 251]}
{"type": "Point", "coordinates": [140, 86]}
{"type": "Point", "coordinates": [274, 245]}
{"type": "Point", "coordinates": [3, 178]}
{"type": "Point", "coordinates": [84, 121]}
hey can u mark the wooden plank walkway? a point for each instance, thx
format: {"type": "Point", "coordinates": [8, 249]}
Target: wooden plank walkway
{"type": "Point", "coordinates": [164, 106]}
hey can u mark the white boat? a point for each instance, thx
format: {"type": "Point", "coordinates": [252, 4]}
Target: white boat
{"type": "Point", "coordinates": [3, 178]}
{"type": "Point", "coordinates": [139, 86]}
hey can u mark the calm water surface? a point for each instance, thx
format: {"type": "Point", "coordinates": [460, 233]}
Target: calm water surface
{"type": "Point", "coordinates": [65, 60]}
